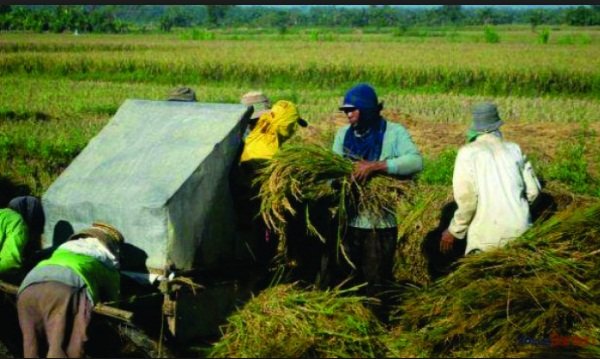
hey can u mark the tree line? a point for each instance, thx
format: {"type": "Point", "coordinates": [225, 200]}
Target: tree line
{"type": "Point", "coordinates": [124, 18]}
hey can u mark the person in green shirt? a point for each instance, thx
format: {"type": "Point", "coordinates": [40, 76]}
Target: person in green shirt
{"type": "Point", "coordinates": [376, 146]}
{"type": "Point", "coordinates": [55, 300]}
{"type": "Point", "coordinates": [21, 225]}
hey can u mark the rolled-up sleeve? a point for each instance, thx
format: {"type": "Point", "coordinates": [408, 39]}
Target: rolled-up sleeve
{"type": "Point", "coordinates": [532, 184]}
{"type": "Point", "coordinates": [465, 195]}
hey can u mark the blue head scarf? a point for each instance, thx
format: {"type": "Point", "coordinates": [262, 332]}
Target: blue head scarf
{"type": "Point", "coordinates": [364, 140]}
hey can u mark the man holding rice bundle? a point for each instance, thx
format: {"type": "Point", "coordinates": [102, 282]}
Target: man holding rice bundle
{"type": "Point", "coordinates": [377, 146]}
{"type": "Point", "coordinates": [493, 183]}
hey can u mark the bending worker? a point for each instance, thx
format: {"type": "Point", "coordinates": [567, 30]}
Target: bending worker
{"type": "Point", "coordinates": [56, 298]}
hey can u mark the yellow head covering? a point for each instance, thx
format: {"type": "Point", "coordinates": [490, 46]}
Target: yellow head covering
{"type": "Point", "coordinates": [272, 129]}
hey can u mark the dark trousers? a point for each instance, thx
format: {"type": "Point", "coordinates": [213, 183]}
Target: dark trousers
{"type": "Point", "coordinates": [247, 204]}
{"type": "Point", "coordinates": [372, 252]}
{"type": "Point", "coordinates": [56, 313]}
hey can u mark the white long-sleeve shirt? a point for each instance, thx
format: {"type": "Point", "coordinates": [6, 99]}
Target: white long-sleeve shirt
{"type": "Point", "coordinates": [493, 182]}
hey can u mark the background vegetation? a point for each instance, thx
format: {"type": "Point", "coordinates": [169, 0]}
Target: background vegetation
{"type": "Point", "coordinates": [58, 90]}
{"type": "Point", "coordinates": [123, 18]}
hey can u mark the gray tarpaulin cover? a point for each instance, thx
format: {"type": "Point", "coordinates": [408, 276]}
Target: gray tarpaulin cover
{"type": "Point", "coordinates": [158, 171]}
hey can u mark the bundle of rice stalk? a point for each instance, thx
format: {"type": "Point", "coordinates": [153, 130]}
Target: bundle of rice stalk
{"type": "Point", "coordinates": [404, 344]}
{"type": "Point", "coordinates": [554, 197]}
{"type": "Point", "coordinates": [544, 283]}
{"type": "Point", "coordinates": [298, 175]}
{"type": "Point", "coordinates": [425, 212]}
{"type": "Point", "coordinates": [285, 321]}
{"type": "Point", "coordinates": [422, 216]}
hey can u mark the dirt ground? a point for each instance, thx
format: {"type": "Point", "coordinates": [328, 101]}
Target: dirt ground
{"type": "Point", "coordinates": [541, 139]}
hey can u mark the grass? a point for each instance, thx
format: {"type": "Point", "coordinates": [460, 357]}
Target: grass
{"type": "Point", "coordinates": [44, 116]}
{"type": "Point", "coordinates": [571, 166]}
{"type": "Point", "coordinates": [438, 170]}
{"type": "Point", "coordinates": [539, 70]}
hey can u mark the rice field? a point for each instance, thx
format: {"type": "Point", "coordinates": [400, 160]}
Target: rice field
{"type": "Point", "coordinates": [57, 91]}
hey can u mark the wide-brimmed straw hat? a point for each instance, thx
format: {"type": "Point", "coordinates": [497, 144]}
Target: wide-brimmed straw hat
{"type": "Point", "coordinates": [107, 234]}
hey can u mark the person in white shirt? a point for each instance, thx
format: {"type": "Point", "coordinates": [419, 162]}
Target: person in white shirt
{"type": "Point", "coordinates": [493, 183]}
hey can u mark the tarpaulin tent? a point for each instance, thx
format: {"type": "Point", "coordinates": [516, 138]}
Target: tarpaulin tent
{"type": "Point", "coordinates": [158, 171]}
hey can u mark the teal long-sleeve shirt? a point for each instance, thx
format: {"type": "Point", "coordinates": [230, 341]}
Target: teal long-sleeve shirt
{"type": "Point", "coordinates": [13, 238]}
{"type": "Point", "coordinates": [402, 158]}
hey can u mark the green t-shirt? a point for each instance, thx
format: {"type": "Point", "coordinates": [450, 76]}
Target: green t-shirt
{"type": "Point", "coordinates": [13, 239]}
{"type": "Point", "coordinates": [103, 283]}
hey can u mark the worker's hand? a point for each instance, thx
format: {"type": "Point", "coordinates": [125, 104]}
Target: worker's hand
{"type": "Point", "coordinates": [363, 169]}
{"type": "Point", "coordinates": [447, 242]}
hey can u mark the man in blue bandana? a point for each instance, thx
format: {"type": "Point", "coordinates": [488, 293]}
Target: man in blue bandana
{"type": "Point", "coordinates": [377, 146]}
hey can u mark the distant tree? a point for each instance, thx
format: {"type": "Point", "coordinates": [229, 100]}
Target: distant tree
{"type": "Point", "coordinates": [5, 9]}
{"type": "Point", "coordinates": [216, 13]}
{"type": "Point", "coordinates": [381, 16]}
{"type": "Point", "coordinates": [166, 23]}
{"type": "Point", "coordinates": [450, 14]}
{"type": "Point", "coordinates": [104, 19]}
{"type": "Point", "coordinates": [581, 16]}
{"type": "Point", "coordinates": [536, 17]}
{"type": "Point", "coordinates": [485, 15]}
{"type": "Point", "coordinates": [175, 16]}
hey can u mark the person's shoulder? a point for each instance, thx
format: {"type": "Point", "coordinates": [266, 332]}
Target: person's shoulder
{"type": "Point", "coordinates": [10, 215]}
{"type": "Point", "coordinates": [343, 129]}
{"type": "Point", "coordinates": [396, 129]}
{"type": "Point", "coordinates": [468, 148]}
{"type": "Point", "coordinates": [512, 146]}
{"type": "Point", "coordinates": [396, 126]}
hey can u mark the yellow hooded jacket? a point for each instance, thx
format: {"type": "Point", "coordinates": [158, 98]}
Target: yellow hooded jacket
{"type": "Point", "coordinates": [271, 130]}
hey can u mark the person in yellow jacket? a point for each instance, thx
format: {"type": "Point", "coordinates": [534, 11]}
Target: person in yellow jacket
{"type": "Point", "coordinates": [272, 129]}
{"type": "Point", "coordinates": [274, 126]}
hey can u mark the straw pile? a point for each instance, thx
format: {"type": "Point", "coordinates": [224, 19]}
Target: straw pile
{"type": "Point", "coordinates": [287, 322]}
{"type": "Point", "coordinates": [425, 212]}
{"type": "Point", "coordinates": [542, 285]}
{"type": "Point", "coordinates": [300, 175]}
{"type": "Point", "coordinates": [421, 218]}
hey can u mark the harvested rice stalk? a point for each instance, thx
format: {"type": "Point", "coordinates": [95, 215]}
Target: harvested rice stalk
{"type": "Point", "coordinates": [299, 175]}
{"type": "Point", "coordinates": [425, 212]}
{"type": "Point", "coordinates": [421, 218]}
{"type": "Point", "coordinates": [542, 283]}
{"type": "Point", "coordinates": [404, 344]}
{"type": "Point", "coordinates": [287, 322]}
